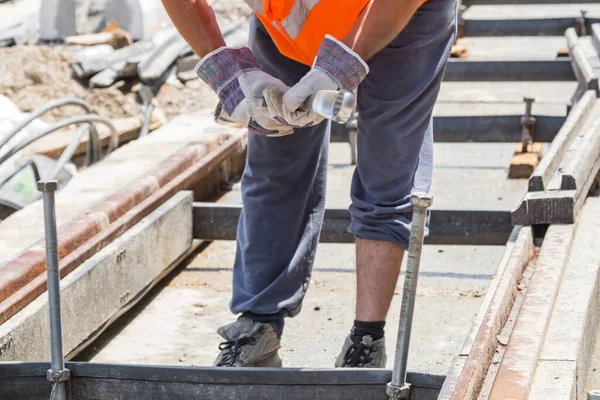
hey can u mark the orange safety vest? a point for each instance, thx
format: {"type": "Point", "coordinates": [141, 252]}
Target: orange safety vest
{"type": "Point", "coordinates": [299, 26]}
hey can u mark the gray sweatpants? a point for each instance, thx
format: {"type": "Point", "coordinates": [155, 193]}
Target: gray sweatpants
{"type": "Point", "coordinates": [283, 186]}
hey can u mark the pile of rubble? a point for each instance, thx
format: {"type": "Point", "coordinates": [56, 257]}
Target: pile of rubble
{"type": "Point", "coordinates": [129, 67]}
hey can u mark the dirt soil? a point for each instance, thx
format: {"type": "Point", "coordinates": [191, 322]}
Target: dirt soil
{"type": "Point", "coordinates": [32, 76]}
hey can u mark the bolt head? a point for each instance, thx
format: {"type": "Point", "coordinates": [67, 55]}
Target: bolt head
{"type": "Point", "coordinates": [421, 199]}
{"type": "Point", "coordinates": [47, 186]}
{"type": "Point", "coordinates": [397, 393]}
{"type": "Point", "coordinates": [529, 99]}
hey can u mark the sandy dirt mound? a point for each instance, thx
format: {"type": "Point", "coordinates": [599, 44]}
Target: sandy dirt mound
{"type": "Point", "coordinates": [31, 76]}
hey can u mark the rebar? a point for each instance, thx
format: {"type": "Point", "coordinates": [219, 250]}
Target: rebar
{"type": "Point", "coordinates": [57, 373]}
{"type": "Point", "coordinates": [397, 388]}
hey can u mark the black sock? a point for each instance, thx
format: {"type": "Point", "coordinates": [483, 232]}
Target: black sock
{"type": "Point", "coordinates": [362, 328]}
{"type": "Point", "coordinates": [275, 320]}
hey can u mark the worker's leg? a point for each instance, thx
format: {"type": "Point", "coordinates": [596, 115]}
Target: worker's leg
{"type": "Point", "coordinates": [283, 193]}
{"type": "Point", "coordinates": [395, 157]}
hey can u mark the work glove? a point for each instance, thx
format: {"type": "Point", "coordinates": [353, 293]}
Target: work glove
{"type": "Point", "coordinates": [236, 77]}
{"type": "Point", "coordinates": [336, 67]}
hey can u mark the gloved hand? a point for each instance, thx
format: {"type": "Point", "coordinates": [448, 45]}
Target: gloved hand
{"type": "Point", "coordinates": [336, 67]}
{"type": "Point", "coordinates": [296, 119]}
{"type": "Point", "coordinates": [236, 77]}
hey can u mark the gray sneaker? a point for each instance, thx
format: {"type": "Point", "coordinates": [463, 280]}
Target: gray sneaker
{"type": "Point", "coordinates": [248, 344]}
{"type": "Point", "coordinates": [366, 354]}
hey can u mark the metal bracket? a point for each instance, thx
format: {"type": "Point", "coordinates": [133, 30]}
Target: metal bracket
{"type": "Point", "coordinates": [58, 376]}
{"type": "Point", "coordinates": [580, 23]}
{"type": "Point", "coordinates": [593, 395]}
{"type": "Point", "coordinates": [528, 123]}
{"type": "Point", "coordinates": [398, 393]}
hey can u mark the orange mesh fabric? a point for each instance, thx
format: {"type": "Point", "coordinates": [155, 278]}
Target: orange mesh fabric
{"type": "Point", "coordinates": [333, 17]}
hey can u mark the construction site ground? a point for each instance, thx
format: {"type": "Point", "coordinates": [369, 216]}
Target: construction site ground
{"type": "Point", "coordinates": [176, 323]}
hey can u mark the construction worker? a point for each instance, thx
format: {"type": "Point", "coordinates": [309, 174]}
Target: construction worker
{"type": "Point", "coordinates": [394, 52]}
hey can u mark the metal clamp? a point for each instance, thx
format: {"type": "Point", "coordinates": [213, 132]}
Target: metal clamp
{"type": "Point", "coordinates": [527, 125]}
{"type": "Point", "coordinates": [58, 376]}
{"type": "Point", "coordinates": [398, 388]}
{"type": "Point", "coordinates": [397, 393]}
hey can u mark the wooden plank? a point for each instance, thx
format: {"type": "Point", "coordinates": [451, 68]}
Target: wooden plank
{"type": "Point", "coordinates": [117, 38]}
{"type": "Point", "coordinates": [560, 145]}
{"type": "Point", "coordinates": [481, 342]}
{"type": "Point", "coordinates": [579, 167]}
{"type": "Point", "coordinates": [522, 164]}
{"type": "Point", "coordinates": [517, 368]}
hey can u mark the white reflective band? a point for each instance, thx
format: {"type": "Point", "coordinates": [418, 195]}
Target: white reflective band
{"type": "Point", "coordinates": [295, 20]}
{"type": "Point", "coordinates": [297, 17]}
{"type": "Point", "coordinates": [256, 6]}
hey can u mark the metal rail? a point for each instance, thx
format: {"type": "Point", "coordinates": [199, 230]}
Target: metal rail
{"type": "Point", "coordinates": [126, 382]}
{"type": "Point", "coordinates": [508, 70]}
{"type": "Point", "coordinates": [479, 128]}
{"type": "Point", "coordinates": [459, 227]}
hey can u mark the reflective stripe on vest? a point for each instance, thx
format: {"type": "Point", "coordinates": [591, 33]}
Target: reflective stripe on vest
{"type": "Point", "coordinates": [295, 18]}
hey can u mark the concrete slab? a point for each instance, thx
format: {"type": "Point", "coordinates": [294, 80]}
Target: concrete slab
{"type": "Point", "coordinates": [481, 342]}
{"type": "Point", "coordinates": [554, 380]}
{"type": "Point", "coordinates": [453, 280]}
{"type": "Point", "coordinates": [15, 12]}
{"type": "Point", "coordinates": [480, 169]}
{"type": "Point", "coordinates": [572, 330]}
{"type": "Point", "coordinates": [514, 48]}
{"type": "Point", "coordinates": [517, 368]}
{"type": "Point", "coordinates": [502, 98]}
{"type": "Point", "coordinates": [531, 11]}
{"type": "Point", "coordinates": [194, 304]}
{"type": "Point", "coordinates": [104, 284]}
{"type": "Point", "coordinates": [593, 375]}
{"type": "Point", "coordinates": [97, 182]}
